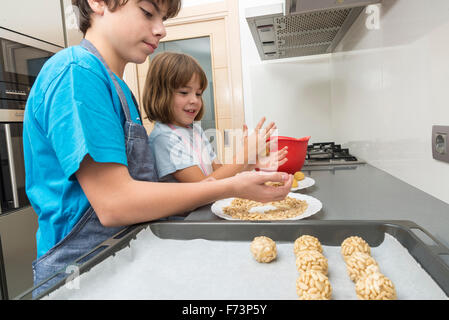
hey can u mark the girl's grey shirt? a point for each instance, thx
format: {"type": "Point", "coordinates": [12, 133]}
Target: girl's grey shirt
{"type": "Point", "coordinates": [176, 148]}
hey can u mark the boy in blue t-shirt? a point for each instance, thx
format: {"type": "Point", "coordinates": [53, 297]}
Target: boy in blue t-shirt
{"type": "Point", "coordinates": [84, 178]}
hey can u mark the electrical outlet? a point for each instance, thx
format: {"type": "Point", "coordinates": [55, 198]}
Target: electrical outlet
{"type": "Point", "coordinates": [440, 143]}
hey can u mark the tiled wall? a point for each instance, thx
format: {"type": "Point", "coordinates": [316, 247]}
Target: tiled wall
{"type": "Point", "coordinates": [390, 85]}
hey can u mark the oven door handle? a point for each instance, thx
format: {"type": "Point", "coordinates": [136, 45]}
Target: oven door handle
{"type": "Point", "coordinates": [12, 169]}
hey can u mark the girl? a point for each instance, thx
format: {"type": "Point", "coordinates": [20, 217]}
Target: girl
{"type": "Point", "coordinates": [173, 99]}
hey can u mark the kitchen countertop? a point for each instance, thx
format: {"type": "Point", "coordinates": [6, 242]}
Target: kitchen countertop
{"type": "Point", "coordinates": [358, 192]}
{"type": "Point", "coordinates": [363, 192]}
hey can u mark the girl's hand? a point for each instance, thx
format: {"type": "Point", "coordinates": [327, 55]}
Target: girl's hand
{"type": "Point", "coordinates": [254, 145]}
{"type": "Point", "coordinates": [265, 133]}
{"type": "Point", "coordinates": [251, 185]}
{"type": "Point", "coordinates": [273, 161]}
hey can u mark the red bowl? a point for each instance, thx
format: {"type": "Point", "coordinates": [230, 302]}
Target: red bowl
{"type": "Point", "coordinates": [297, 150]}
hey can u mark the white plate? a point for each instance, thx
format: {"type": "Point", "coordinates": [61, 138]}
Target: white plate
{"type": "Point", "coordinates": [314, 206]}
{"type": "Point", "coordinates": [304, 183]}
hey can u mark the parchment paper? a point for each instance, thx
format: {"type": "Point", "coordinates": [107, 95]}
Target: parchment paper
{"type": "Point", "coordinates": [154, 268]}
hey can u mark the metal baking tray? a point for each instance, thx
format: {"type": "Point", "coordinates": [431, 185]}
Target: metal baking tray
{"type": "Point", "coordinates": [424, 248]}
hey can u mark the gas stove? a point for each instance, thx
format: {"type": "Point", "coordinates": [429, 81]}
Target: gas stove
{"type": "Point", "coordinates": [329, 153]}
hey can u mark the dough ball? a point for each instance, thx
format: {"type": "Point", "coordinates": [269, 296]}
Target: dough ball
{"type": "Point", "coordinates": [311, 260]}
{"type": "Point", "coordinates": [353, 244]}
{"type": "Point", "coordinates": [360, 264]}
{"type": "Point", "coordinates": [295, 183]}
{"type": "Point", "coordinates": [313, 285]}
{"type": "Point", "coordinates": [299, 176]}
{"type": "Point", "coordinates": [263, 249]}
{"type": "Point", "coordinates": [307, 242]}
{"type": "Point", "coordinates": [375, 286]}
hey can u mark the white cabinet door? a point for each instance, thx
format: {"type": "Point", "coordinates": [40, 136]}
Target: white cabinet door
{"type": "Point", "coordinates": [38, 19]}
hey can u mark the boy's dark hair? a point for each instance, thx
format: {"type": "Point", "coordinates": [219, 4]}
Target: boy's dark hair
{"type": "Point", "coordinates": [85, 11]}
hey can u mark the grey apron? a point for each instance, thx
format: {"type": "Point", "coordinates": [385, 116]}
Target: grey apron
{"type": "Point", "coordinates": [88, 231]}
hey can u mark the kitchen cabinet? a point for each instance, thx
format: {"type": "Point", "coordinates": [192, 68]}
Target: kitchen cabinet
{"type": "Point", "coordinates": [18, 236]}
{"type": "Point", "coordinates": [38, 19]}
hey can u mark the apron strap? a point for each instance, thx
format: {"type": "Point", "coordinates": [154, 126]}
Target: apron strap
{"type": "Point", "coordinates": [137, 105]}
{"type": "Point", "coordinates": [91, 48]}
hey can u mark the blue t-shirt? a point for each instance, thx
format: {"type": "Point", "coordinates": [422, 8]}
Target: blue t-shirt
{"type": "Point", "coordinates": [73, 110]}
{"type": "Point", "coordinates": [172, 152]}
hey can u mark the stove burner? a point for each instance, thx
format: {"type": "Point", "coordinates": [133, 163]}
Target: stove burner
{"type": "Point", "coordinates": [325, 151]}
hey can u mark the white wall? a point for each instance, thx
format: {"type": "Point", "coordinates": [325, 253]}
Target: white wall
{"type": "Point", "coordinates": [295, 93]}
{"type": "Point", "coordinates": [392, 87]}
{"type": "Point", "coordinates": [379, 94]}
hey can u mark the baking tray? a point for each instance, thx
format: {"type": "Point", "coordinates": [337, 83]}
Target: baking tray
{"type": "Point", "coordinates": [424, 248]}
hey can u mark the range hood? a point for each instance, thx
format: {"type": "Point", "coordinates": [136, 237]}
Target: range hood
{"type": "Point", "coordinates": [294, 28]}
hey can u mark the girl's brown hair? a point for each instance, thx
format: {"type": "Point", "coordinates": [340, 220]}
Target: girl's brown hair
{"type": "Point", "coordinates": [85, 10]}
{"type": "Point", "coordinates": [168, 72]}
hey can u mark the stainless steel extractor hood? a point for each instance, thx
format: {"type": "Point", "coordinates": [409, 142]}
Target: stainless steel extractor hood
{"type": "Point", "coordinates": [294, 28]}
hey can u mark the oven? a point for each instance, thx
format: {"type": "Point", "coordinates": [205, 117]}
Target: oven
{"type": "Point", "coordinates": [21, 59]}
{"type": "Point", "coordinates": [12, 171]}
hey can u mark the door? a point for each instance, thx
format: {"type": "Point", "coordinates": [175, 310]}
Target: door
{"type": "Point", "coordinates": [198, 48]}
{"type": "Point", "coordinates": [207, 41]}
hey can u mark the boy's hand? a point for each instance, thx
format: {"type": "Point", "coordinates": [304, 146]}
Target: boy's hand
{"type": "Point", "coordinates": [251, 185]}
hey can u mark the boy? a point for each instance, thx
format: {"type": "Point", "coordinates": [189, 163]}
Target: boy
{"type": "Point", "coordinates": [89, 170]}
